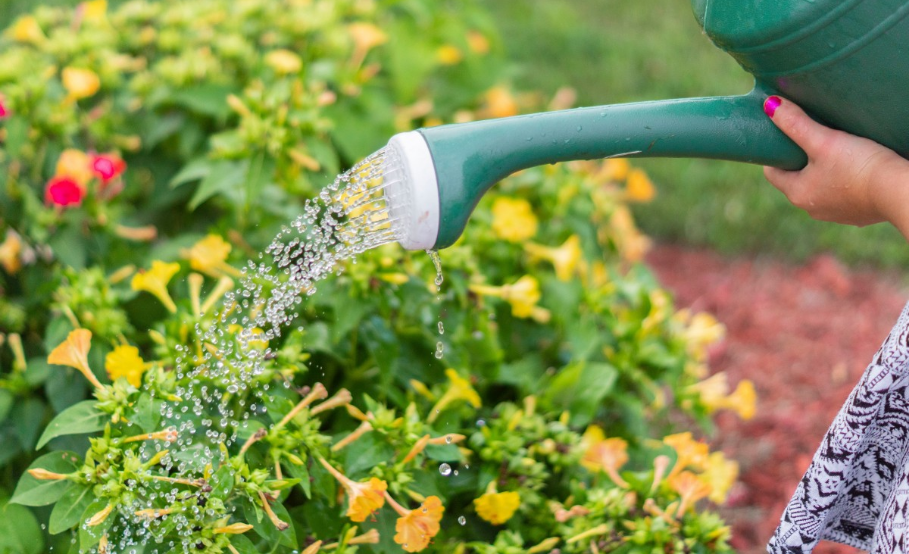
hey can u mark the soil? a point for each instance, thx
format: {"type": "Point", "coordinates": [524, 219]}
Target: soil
{"type": "Point", "coordinates": [803, 335]}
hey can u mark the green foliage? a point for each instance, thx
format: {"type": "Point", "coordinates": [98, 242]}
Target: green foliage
{"type": "Point", "coordinates": [228, 115]}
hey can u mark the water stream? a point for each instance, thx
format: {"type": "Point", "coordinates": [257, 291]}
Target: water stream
{"type": "Point", "coordinates": [349, 217]}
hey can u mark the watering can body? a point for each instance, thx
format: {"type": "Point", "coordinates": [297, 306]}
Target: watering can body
{"type": "Point", "coordinates": [844, 61]}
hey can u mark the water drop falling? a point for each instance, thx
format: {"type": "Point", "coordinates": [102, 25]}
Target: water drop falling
{"type": "Point", "coordinates": [441, 328]}
{"type": "Point", "coordinates": [439, 350]}
{"type": "Point", "coordinates": [445, 470]}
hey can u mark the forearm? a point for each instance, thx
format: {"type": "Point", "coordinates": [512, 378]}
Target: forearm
{"type": "Point", "coordinates": [891, 189]}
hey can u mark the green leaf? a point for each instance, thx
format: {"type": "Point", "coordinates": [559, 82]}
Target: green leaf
{"type": "Point", "coordinates": [38, 492]}
{"type": "Point", "coordinates": [27, 417]}
{"type": "Point", "coordinates": [83, 417]}
{"type": "Point", "coordinates": [19, 531]}
{"type": "Point", "coordinates": [68, 245]}
{"type": "Point", "coordinates": [300, 472]}
{"type": "Point", "coordinates": [16, 134]}
{"type": "Point", "coordinates": [37, 371]}
{"type": "Point", "coordinates": [208, 99]}
{"type": "Point", "coordinates": [6, 403]}
{"type": "Point", "coordinates": [69, 509]}
{"type": "Point", "coordinates": [222, 482]}
{"type": "Point", "coordinates": [366, 452]}
{"type": "Point", "coordinates": [147, 413]}
{"type": "Point", "coordinates": [193, 171]}
{"type": "Point", "coordinates": [224, 176]}
{"type": "Point", "coordinates": [580, 387]}
{"type": "Point", "coordinates": [243, 545]}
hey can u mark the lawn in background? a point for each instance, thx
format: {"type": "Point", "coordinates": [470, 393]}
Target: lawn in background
{"type": "Point", "coordinates": [615, 51]}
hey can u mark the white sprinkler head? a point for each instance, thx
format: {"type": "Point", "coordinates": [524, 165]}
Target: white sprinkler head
{"type": "Point", "coordinates": [411, 190]}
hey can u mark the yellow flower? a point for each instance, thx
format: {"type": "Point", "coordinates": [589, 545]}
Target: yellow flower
{"type": "Point", "coordinates": [416, 528]}
{"type": "Point", "coordinates": [448, 55]}
{"type": "Point", "coordinates": [691, 453]}
{"type": "Point", "coordinates": [564, 258]}
{"type": "Point", "coordinates": [614, 169]}
{"type": "Point", "coordinates": [94, 10]}
{"type": "Point", "coordinates": [80, 83]}
{"type": "Point", "coordinates": [362, 498]}
{"type": "Point", "coordinates": [154, 281]}
{"type": "Point", "coordinates": [720, 475]}
{"type": "Point", "coordinates": [523, 296]}
{"type": "Point", "coordinates": [209, 256]}
{"type": "Point", "coordinates": [639, 187]}
{"type": "Point", "coordinates": [497, 507]}
{"type": "Point", "coordinates": [460, 389]}
{"type": "Point", "coordinates": [76, 165]}
{"type": "Point", "coordinates": [631, 243]}
{"type": "Point", "coordinates": [743, 400]}
{"type": "Point", "coordinates": [284, 61]}
{"type": "Point", "coordinates": [513, 219]}
{"type": "Point", "coordinates": [26, 29]}
{"type": "Point", "coordinates": [690, 488]}
{"type": "Point", "coordinates": [602, 454]}
{"type": "Point", "coordinates": [701, 331]}
{"type": "Point", "coordinates": [124, 361]}
{"type": "Point", "coordinates": [499, 103]}
{"type": "Point", "coordinates": [10, 250]}
{"type": "Point", "coordinates": [73, 352]}
{"type": "Point", "coordinates": [714, 394]}
{"type": "Point", "coordinates": [477, 42]}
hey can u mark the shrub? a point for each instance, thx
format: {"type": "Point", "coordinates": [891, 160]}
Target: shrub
{"type": "Point", "coordinates": [151, 150]}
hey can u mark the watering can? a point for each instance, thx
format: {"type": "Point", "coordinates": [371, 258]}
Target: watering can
{"type": "Point", "coordinates": [839, 59]}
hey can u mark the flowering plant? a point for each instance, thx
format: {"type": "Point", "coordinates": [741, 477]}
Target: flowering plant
{"type": "Point", "coordinates": [541, 424]}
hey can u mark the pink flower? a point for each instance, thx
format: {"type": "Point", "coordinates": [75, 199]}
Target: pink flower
{"type": "Point", "coordinates": [63, 191]}
{"type": "Point", "coordinates": [4, 111]}
{"type": "Point", "coordinates": [107, 166]}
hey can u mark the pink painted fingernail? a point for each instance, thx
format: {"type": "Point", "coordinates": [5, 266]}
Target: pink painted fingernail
{"type": "Point", "coordinates": [771, 104]}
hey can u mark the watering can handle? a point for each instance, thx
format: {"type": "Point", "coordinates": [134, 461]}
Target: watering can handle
{"type": "Point", "coordinates": [470, 157]}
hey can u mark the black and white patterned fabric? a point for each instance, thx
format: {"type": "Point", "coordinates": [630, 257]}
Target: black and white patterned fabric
{"type": "Point", "coordinates": [856, 490]}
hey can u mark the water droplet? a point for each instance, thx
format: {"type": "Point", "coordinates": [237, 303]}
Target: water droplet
{"type": "Point", "coordinates": [448, 439]}
{"type": "Point", "coordinates": [481, 423]}
{"type": "Point", "coordinates": [445, 470]}
{"type": "Point", "coordinates": [440, 348]}
{"type": "Point", "coordinates": [462, 520]}
{"type": "Point", "coordinates": [441, 328]}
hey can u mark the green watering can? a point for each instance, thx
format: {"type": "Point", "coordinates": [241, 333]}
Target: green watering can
{"type": "Point", "coordinates": [838, 59]}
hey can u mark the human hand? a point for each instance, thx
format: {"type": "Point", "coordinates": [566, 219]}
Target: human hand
{"type": "Point", "coordinates": [848, 179]}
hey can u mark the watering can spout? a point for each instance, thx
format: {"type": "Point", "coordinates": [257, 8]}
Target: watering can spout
{"type": "Point", "coordinates": [451, 168]}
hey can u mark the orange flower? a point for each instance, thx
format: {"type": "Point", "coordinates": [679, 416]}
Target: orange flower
{"type": "Point", "coordinates": [690, 488]}
{"type": "Point", "coordinates": [416, 528]}
{"type": "Point", "coordinates": [363, 498]}
{"type": "Point", "coordinates": [602, 454]}
{"type": "Point", "coordinates": [690, 452]}
{"type": "Point", "coordinates": [73, 352]}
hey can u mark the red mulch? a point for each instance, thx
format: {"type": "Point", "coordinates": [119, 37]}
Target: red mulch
{"type": "Point", "coordinates": [804, 335]}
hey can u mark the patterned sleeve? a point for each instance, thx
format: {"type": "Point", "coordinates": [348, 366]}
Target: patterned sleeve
{"type": "Point", "coordinates": [856, 490]}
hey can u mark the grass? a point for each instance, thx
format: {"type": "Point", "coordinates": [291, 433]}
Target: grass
{"type": "Point", "coordinates": [615, 51]}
